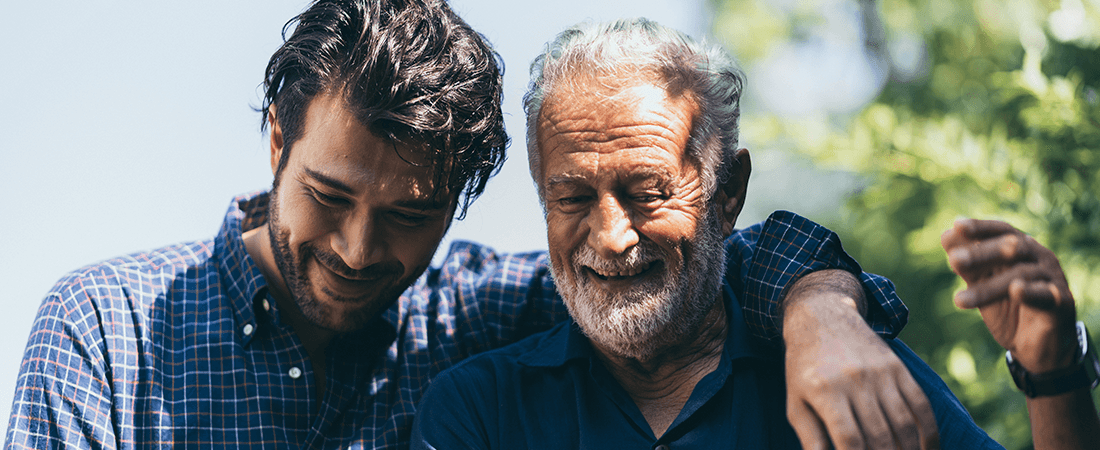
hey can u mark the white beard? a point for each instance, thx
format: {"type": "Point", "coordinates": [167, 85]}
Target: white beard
{"type": "Point", "coordinates": [641, 320]}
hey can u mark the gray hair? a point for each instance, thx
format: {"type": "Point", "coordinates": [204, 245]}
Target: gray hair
{"type": "Point", "coordinates": [632, 46]}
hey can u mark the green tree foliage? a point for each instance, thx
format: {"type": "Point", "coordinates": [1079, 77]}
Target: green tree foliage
{"type": "Point", "coordinates": [1003, 121]}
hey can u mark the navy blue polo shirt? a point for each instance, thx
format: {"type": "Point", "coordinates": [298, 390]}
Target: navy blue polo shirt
{"type": "Point", "coordinates": [551, 391]}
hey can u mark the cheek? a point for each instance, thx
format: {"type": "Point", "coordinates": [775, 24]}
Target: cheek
{"type": "Point", "coordinates": [415, 248]}
{"type": "Point", "coordinates": [303, 220]}
{"type": "Point", "coordinates": [564, 232]}
{"type": "Point", "coordinates": [668, 227]}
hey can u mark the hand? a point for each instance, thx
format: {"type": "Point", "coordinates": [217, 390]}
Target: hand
{"type": "Point", "coordinates": [1019, 288]}
{"type": "Point", "coordinates": [845, 385]}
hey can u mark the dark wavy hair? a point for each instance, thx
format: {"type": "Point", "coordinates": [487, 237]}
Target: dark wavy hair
{"type": "Point", "coordinates": [412, 71]}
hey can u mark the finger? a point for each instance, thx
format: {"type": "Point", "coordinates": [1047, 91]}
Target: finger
{"type": "Point", "coordinates": [873, 423]}
{"type": "Point", "coordinates": [840, 425]}
{"type": "Point", "coordinates": [900, 418]}
{"type": "Point", "coordinates": [953, 237]}
{"type": "Point", "coordinates": [985, 256]}
{"type": "Point", "coordinates": [921, 410]}
{"type": "Point", "coordinates": [844, 428]}
{"type": "Point", "coordinates": [956, 235]}
{"type": "Point", "coordinates": [996, 288]}
{"type": "Point", "coordinates": [983, 229]}
{"type": "Point", "coordinates": [807, 426]}
{"type": "Point", "coordinates": [1042, 295]}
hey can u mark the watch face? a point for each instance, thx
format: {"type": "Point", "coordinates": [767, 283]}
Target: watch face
{"type": "Point", "coordinates": [1082, 339]}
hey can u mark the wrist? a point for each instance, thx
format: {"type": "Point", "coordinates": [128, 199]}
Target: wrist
{"type": "Point", "coordinates": [825, 311]}
{"type": "Point", "coordinates": [1083, 371]}
{"type": "Point", "coordinates": [1057, 348]}
{"type": "Point", "coordinates": [829, 289]}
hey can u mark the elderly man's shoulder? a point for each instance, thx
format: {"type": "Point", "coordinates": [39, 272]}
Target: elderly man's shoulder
{"type": "Point", "coordinates": [513, 363]}
{"type": "Point", "coordinates": [503, 398]}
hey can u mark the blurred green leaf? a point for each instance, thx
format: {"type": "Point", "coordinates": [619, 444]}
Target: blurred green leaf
{"type": "Point", "coordinates": [991, 110]}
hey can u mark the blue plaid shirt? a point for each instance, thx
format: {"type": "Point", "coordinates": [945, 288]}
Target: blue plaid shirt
{"type": "Point", "coordinates": [183, 346]}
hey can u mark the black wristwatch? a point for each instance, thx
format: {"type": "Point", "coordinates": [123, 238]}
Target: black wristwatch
{"type": "Point", "coordinates": [1085, 372]}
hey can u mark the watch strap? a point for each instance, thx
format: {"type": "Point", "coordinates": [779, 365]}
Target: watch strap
{"type": "Point", "coordinates": [1085, 372]}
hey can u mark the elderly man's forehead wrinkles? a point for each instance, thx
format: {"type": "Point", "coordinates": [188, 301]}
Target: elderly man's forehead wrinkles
{"type": "Point", "coordinates": [588, 131]}
{"type": "Point", "coordinates": [651, 176]}
{"type": "Point", "coordinates": [634, 135]}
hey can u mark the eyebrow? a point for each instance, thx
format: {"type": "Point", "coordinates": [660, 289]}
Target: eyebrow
{"type": "Point", "coordinates": [328, 181]}
{"type": "Point", "coordinates": [660, 174]}
{"type": "Point", "coordinates": [421, 204]}
{"type": "Point", "coordinates": [558, 180]}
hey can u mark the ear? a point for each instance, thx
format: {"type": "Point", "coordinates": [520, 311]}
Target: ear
{"type": "Point", "coordinates": [276, 138]}
{"type": "Point", "coordinates": [731, 194]}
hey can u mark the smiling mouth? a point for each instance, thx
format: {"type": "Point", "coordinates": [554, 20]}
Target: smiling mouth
{"type": "Point", "coordinates": [623, 274]}
{"type": "Point", "coordinates": [344, 288]}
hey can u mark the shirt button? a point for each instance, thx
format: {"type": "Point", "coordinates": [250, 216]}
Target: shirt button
{"type": "Point", "coordinates": [267, 306]}
{"type": "Point", "coordinates": [247, 330]}
{"type": "Point", "coordinates": [295, 373]}
{"type": "Point", "coordinates": [661, 447]}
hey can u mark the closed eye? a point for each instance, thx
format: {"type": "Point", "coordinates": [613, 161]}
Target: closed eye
{"type": "Point", "coordinates": [575, 200]}
{"type": "Point", "coordinates": [326, 199]}
{"type": "Point", "coordinates": [646, 198]}
{"type": "Point", "coordinates": [409, 220]}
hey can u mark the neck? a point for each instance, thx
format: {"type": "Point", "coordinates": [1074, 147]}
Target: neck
{"type": "Point", "coordinates": [661, 384]}
{"type": "Point", "coordinates": [314, 338]}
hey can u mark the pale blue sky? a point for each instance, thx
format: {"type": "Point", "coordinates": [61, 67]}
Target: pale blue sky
{"type": "Point", "coordinates": [128, 125]}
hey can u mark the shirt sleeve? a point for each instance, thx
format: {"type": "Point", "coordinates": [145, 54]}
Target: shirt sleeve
{"type": "Point", "coordinates": [62, 396]}
{"type": "Point", "coordinates": [764, 259]}
{"type": "Point", "coordinates": [485, 299]}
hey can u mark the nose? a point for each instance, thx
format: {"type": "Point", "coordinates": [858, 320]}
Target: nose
{"type": "Point", "coordinates": [359, 243]}
{"type": "Point", "coordinates": [611, 230]}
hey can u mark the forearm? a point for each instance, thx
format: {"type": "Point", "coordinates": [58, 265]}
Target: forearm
{"type": "Point", "coordinates": [1063, 421]}
{"type": "Point", "coordinates": [1067, 421]}
{"type": "Point", "coordinates": [768, 259]}
{"type": "Point", "coordinates": [823, 295]}
{"type": "Point", "coordinates": [841, 373]}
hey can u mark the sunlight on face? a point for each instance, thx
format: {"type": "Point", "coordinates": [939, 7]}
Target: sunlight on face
{"type": "Point", "coordinates": [351, 222]}
{"type": "Point", "coordinates": [636, 251]}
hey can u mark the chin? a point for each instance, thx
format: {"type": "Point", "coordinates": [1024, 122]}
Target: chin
{"type": "Point", "coordinates": [336, 314]}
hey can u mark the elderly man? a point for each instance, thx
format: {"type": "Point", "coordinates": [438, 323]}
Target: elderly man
{"type": "Point", "coordinates": [311, 319]}
{"type": "Point", "coordinates": [633, 146]}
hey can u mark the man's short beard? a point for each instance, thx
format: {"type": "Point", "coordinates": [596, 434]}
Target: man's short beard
{"type": "Point", "coordinates": [641, 321]}
{"type": "Point", "coordinates": [294, 268]}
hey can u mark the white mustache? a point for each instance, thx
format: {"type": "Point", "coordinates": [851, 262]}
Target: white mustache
{"type": "Point", "coordinates": [636, 260]}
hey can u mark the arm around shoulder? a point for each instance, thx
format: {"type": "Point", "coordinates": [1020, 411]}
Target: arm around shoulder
{"type": "Point", "coordinates": [803, 290]}
{"type": "Point", "coordinates": [769, 258]}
